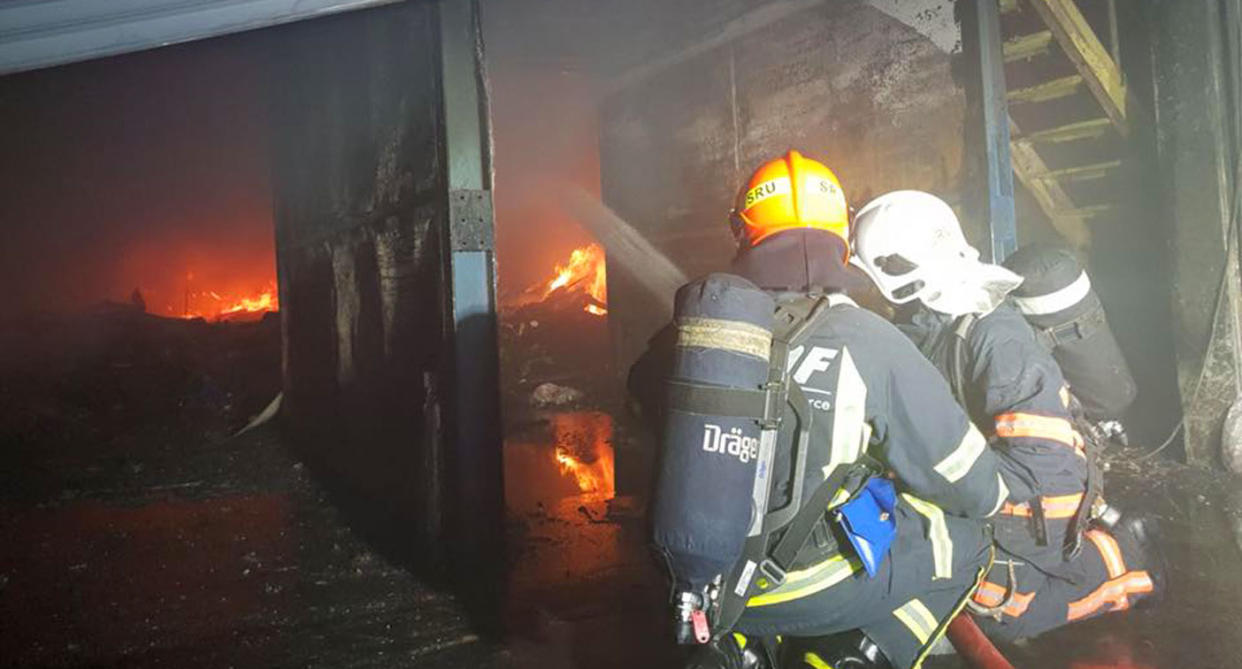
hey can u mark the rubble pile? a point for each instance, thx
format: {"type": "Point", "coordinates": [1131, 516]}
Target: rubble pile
{"type": "Point", "coordinates": [116, 380]}
{"type": "Point", "coordinates": [554, 352]}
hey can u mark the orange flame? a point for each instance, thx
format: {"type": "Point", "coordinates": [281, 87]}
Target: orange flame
{"type": "Point", "coordinates": [217, 305]}
{"type": "Point", "coordinates": [585, 271]}
{"type": "Point", "coordinates": [595, 477]}
{"type": "Point", "coordinates": [265, 301]}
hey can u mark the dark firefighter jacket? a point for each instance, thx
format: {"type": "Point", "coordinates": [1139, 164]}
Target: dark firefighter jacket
{"type": "Point", "coordinates": [880, 394]}
{"type": "Point", "coordinates": [1015, 393]}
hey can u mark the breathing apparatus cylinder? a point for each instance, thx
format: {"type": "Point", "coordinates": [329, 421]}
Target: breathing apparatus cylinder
{"type": "Point", "coordinates": [704, 503]}
{"type": "Point", "coordinates": [1057, 299]}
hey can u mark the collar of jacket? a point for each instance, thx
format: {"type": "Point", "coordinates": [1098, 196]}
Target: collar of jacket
{"type": "Point", "coordinates": [798, 261]}
{"type": "Point", "coordinates": [924, 326]}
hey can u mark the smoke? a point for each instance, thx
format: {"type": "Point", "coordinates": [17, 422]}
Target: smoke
{"type": "Point", "coordinates": [547, 141]}
{"type": "Point", "coordinates": [136, 172]}
{"type": "Point", "coordinates": [627, 249]}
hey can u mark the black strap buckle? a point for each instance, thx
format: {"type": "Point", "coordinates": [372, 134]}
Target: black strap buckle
{"type": "Point", "coordinates": [1065, 333]}
{"type": "Point", "coordinates": [773, 405]}
{"type": "Point", "coordinates": [773, 572]}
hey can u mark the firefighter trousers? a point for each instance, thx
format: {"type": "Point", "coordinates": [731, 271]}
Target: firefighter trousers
{"type": "Point", "coordinates": [931, 570]}
{"type": "Point", "coordinates": [1111, 573]}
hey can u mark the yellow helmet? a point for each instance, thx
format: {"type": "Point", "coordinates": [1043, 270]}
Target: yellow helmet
{"type": "Point", "coordinates": [790, 193]}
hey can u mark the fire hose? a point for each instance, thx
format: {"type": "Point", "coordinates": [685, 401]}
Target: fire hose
{"type": "Point", "coordinates": [973, 646]}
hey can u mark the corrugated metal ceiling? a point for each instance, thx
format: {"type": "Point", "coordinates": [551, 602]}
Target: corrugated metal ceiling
{"type": "Point", "coordinates": [41, 33]}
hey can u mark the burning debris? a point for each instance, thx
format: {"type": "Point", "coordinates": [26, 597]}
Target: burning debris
{"type": "Point", "coordinates": [64, 379]}
{"type": "Point", "coordinates": [226, 306]}
{"type": "Point", "coordinates": [582, 277]}
{"type": "Point", "coordinates": [554, 334]}
{"type": "Point", "coordinates": [212, 276]}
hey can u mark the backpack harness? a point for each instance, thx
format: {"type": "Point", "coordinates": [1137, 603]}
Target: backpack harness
{"type": "Point", "coordinates": [776, 536]}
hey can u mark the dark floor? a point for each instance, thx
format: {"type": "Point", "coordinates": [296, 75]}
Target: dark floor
{"type": "Point", "coordinates": [135, 530]}
{"type": "Point", "coordinates": [1197, 624]}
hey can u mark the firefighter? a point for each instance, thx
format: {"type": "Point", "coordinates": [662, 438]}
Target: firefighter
{"type": "Point", "coordinates": [1053, 565]}
{"type": "Point", "coordinates": [876, 397]}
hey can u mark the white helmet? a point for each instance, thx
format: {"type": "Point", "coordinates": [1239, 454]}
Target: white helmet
{"type": "Point", "coordinates": [911, 245]}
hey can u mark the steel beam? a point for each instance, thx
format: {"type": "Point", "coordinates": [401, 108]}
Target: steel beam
{"type": "Point", "coordinates": [994, 115]}
{"type": "Point", "coordinates": [474, 457]}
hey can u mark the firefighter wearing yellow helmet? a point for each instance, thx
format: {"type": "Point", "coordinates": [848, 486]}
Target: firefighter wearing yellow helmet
{"type": "Point", "coordinates": [802, 438]}
{"type": "Point", "coordinates": [790, 193]}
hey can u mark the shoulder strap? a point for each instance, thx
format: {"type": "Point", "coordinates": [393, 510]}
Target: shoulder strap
{"type": "Point", "coordinates": [1092, 447]}
{"type": "Point", "coordinates": [798, 518]}
{"type": "Point", "coordinates": [803, 524]}
{"type": "Point", "coordinates": [795, 322]}
{"type": "Point", "coordinates": [804, 313]}
{"type": "Point", "coordinates": [958, 357]}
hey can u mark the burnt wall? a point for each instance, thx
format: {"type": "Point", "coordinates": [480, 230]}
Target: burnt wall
{"type": "Point", "coordinates": [844, 82]}
{"type": "Point", "coordinates": [360, 211]}
{"type": "Point", "coordinates": [1198, 151]}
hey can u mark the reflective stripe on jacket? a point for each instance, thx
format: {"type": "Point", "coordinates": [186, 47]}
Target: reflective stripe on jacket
{"type": "Point", "coordinates": [1013, 390]}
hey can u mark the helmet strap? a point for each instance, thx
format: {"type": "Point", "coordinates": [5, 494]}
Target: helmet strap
{"type": "Point", "coordinates": [738, 226]}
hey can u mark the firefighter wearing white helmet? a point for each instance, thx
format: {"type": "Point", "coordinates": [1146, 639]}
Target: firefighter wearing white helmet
{"type": "Point", "coordinates": [1054, 565]}
{"type": "Point", "coordinates": [912, 247]}
{"type": "Point", "coordinates": [770, 544]}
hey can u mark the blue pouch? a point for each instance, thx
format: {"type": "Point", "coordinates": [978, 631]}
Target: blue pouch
{"type": "Point", "coordinates": [870, 522]}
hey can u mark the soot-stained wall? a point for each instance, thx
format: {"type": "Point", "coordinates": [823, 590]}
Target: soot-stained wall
{"type": "Point", "coordinates": [843, 82]}
{"type": "Point", "coordinates": [1198, 152]}
{"type": "Point", "coordinates": [360, 208]}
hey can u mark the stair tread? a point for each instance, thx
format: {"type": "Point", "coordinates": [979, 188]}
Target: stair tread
{"type": "Point", "coordinates": [1024, 47]}
{"type": "Point", "coordinates": [1048, 90]}
{"type": "Point", "coordinates": [1081, 172]}
{"type": "Point", "coordinates": [1087, 211]}
{"type": "Point", "coordinates": [1070, 132]}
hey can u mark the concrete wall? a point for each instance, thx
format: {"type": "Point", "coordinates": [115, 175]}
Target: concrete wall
{"type": "Point", "coordinates": [1197, 153]}
{"type": "Point", "coordinates": [870, 95]}
{"type": "Point", "coordinates": [360, 216]}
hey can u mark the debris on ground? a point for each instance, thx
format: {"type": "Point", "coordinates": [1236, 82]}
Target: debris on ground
{"type": "Point", "coordinates": [554, 341]}
{"type": "Point", "coordinates": [136, 530]}
{"type": "Point", "coordinates": [551, 395]}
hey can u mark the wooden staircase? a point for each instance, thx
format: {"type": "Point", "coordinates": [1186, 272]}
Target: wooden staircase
{"type": "Point", "coordinates": [1068, 88]}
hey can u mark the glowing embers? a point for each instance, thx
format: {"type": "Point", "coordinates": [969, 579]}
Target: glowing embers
{"type": "Point", "coordinates": [585, 272]}
{"type": "Point", "coordinates": [568, 454]}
